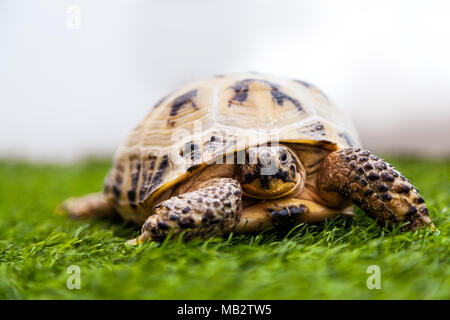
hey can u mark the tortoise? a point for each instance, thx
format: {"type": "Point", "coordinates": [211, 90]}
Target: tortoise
{"type": "Point", "coordinates": [247, 152]}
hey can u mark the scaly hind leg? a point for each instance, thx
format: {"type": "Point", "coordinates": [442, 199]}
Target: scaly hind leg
{"type": "Point", "coordinates": [287, 212]}
{"type": "Point", "coordinates": [94, 205]}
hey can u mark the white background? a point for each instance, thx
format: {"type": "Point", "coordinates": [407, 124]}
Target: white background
{"type": "Point", "coordinates": [67, 93]}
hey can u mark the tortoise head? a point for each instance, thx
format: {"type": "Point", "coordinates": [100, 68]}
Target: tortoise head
{"type": "Point", "coordinates": [270, 173]}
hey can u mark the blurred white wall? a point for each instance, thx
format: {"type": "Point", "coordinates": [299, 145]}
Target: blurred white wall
{"type": "Point", "coordinates": [67, 92]}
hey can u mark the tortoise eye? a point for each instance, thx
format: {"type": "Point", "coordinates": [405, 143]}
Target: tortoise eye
{"type": "Point", "coordinates": [283, 157]}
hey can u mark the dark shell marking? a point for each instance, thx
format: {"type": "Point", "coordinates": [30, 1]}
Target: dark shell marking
{"type": "Point", "coordinates": [158, 176]}
{"type": "Point", "coordinates": [241, 91]}
{"type": "Point", "coordinates": [182, 101]}
{"type": "Point", "coordinates": [375, 186]}
{"type": "Point", "coordinates": [315, 129]}
{"type": "Point", "coordinates": [147, 174]}
{"type": "Point", "coordinates": [135, 169]}
{"type": "Point", "coordinates": [117, 182]}
{"type": "Point", "coordinates": [206, 217]}
{"type": "Point", "coordinates": [116, 189]}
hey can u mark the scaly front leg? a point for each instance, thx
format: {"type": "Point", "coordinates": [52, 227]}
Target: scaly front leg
{"type": "Point", "coordinates": [374, 185]}
{"type": "Point", "coordinates": [287, 212]}
{"type": "Point", "coordinates": [213, 209]}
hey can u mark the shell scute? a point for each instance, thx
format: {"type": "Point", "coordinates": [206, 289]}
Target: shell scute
{"type": "Point", "coordinates": [203, 122]}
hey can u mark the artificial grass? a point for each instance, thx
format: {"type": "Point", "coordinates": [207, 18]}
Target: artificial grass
{"type": "Point", "coordinates": [327, 261]}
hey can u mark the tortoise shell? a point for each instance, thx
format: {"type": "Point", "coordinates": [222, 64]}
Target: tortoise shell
{"type": "Point", "coordinates": [205, 120]}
